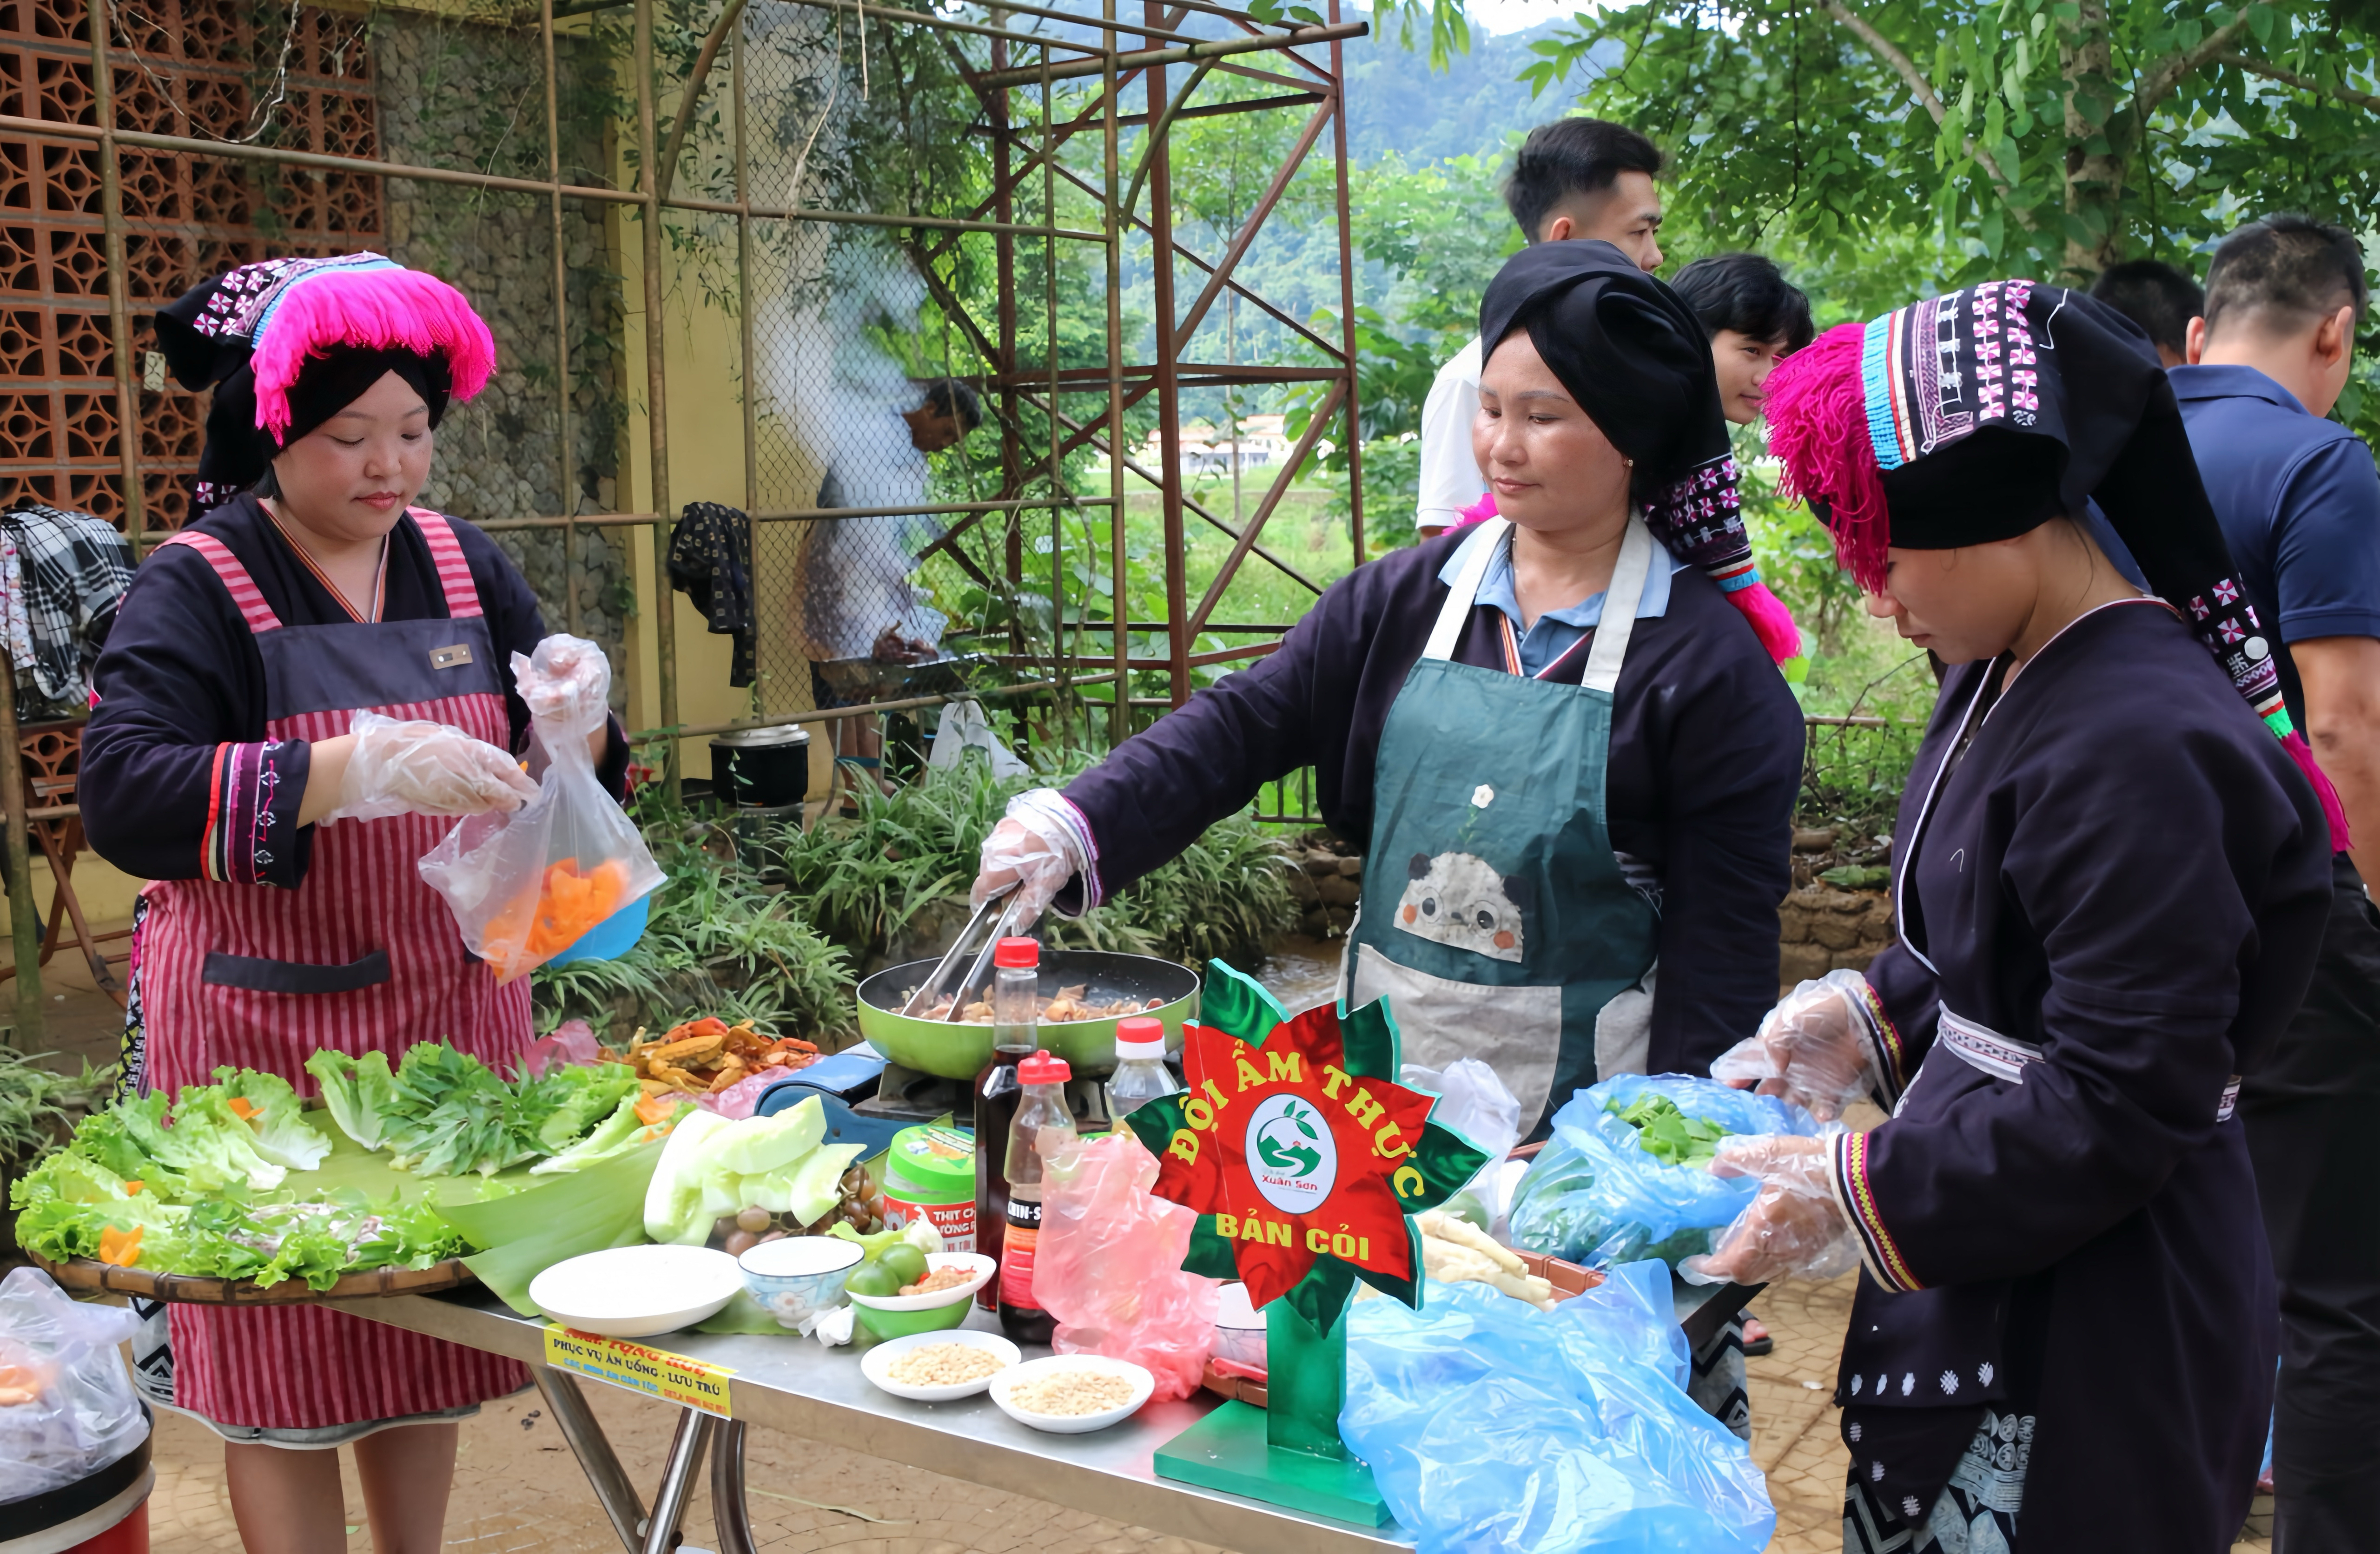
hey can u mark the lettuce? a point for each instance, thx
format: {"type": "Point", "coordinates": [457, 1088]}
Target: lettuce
{"type": "Point", "coordinates": [453, 1116]}
{"type": "Point", "coordinates": [282, 1135]}
{"type": "Point", "coordinates": [360, 1092]}
{"type": "Point", "coordinates": [558, 1108]}
{"type": "Point", "coordinates": [212, 1147]}
{"type": "Point", "coordinates": [615, 1136]}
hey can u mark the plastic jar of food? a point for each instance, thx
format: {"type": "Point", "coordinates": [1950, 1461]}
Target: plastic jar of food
{"type": "Point", "coordinates": [929, 1174]}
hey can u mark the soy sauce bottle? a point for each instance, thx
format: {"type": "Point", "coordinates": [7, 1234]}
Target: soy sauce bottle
{"type": "Point", "coordinates": [1015, 1033]}
{"type": "Point", "coordinates": [1043, 1105]}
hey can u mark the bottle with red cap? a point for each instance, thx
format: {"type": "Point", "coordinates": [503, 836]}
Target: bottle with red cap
{"type": "Point", "coordinates": [1015, 1033]}
{"type": "Point", "coordinates": [1042, 1106]}
{"type": "Point", "coordinates": [1140, 1075]}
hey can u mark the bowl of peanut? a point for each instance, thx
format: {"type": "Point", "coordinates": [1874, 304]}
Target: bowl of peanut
{"type": "Point", "coordinates": [939, 1366]}
{"type": "Point", "coordinates": [1072, 1394]}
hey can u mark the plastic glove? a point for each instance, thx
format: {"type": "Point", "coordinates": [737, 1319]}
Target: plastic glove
{"type": "Point", "coordinates": [1035, 848]}
{"type": "Point", "coordinates": [567, 684]}
{"type": "Point", "coordinates": [1794, 1226]}
{"type": "Point", "coordinates": [421, 768]}
{"type": "Point", "coordinates": [1812, 1049]}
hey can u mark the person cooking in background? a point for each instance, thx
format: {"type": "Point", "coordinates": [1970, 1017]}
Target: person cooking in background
{"type": "Point", "coordinates": [1563, 754]}
{"type": "Point", "coordinates": [1755, 317]}
{"type": "Point", "coordinates": [284, 913]}
{"type": "Point", "coordinates": [2111, 888]}
{"type": "Point", "coordinates": [857, 601]}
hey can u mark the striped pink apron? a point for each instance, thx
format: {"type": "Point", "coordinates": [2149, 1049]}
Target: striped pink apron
{"type": "Point", "coordinates": [363, 957]}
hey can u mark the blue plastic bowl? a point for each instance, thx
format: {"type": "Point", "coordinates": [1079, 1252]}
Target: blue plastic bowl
{"type": "Point", "coordinates": [612, 938]}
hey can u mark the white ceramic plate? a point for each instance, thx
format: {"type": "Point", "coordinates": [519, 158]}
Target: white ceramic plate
{"type": "Point", "coordinates": [875, 1365]}
{"type": "Point", "coordinates": [635, 1291]}
{"type": "Point", "coordinates": [980, 1269]}
{"type": "Point", "coordinates": [1007, 1381]}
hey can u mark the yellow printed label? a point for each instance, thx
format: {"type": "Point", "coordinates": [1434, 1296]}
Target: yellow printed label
{"type": "Point", "coordinates": [657, 1373]}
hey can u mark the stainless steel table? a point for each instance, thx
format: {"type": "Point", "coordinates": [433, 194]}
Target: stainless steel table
{"type": "Point", "coordinates": [798, 1386]}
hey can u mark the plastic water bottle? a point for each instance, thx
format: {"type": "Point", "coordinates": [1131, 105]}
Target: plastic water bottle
{"type": "Point", "coordinates": [1015, 1033]}
{"type": "Point", "coordinates": [1141, 1075]}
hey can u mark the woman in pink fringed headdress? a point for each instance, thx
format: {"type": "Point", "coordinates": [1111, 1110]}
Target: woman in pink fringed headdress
{"type": "Point", "coordinates": [2111, 880]}
{"type": "Point", "coordinates": [306, 685]}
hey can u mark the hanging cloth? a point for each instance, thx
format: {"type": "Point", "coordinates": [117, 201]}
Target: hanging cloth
{"type": "Point", "coordinates": [711, 562]}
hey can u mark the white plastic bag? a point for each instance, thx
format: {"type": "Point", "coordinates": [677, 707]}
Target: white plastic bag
{"type": "Point", "coordinates": [964, 729]}
{"type": "Point", "coordinates": [66, 1406]}
{"type": "Point", "coordinates": [1474, 1102]}
{"type": "Point", "coordinates": [528, 885]}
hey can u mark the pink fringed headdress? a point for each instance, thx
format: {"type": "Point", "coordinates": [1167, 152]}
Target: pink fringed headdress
{"type": "Point", "coordinates": [1819, 426]}
{"type": "Point", "coordinates": [379, 305]}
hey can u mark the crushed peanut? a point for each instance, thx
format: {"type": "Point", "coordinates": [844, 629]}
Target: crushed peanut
{"type": "Point", "coordinates": [939, 1279]}
{"type": "Point", "coordinates": [1072, 1393]}
{"type": "Point", "coordinates": [944, 1365]}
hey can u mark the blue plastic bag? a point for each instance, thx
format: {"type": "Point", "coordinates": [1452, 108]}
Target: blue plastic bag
{"type": "Point", "coordinates": [1594, 1195]}
{"type": "Point", "coordinates": [1492, 1428]}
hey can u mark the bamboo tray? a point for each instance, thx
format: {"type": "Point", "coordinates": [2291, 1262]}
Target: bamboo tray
{"type": "Point", "coordinates": [90, 1274]}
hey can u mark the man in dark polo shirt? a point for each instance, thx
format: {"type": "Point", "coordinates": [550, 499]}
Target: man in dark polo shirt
{"type": "Point", "coordinates": [2300, 503]}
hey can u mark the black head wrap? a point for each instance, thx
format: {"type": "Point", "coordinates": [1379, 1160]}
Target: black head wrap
{"type": "Point", "coordinates": [1980, 415]}
{"type": "Point", "coordinates": [207, 336]}
{"type": "Point", "coordinates": [1638, 361]}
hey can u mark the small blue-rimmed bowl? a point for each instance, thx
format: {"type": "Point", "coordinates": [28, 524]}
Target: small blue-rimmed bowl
{"type": "Point", "coordinates": [798, 1277]}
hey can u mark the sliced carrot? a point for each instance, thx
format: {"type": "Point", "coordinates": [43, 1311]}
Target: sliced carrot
{"type": "Point", "coordinates": [132, 1188]}
{"type": "Point", "coordinates": [653, 1111]}
{"type": "Point", "coordinates": [241, 1107]}
{"type": "Point", "coordinates": [118, 1248]}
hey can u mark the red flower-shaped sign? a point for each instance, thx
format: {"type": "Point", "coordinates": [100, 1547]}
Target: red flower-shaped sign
{"type": "Point", "coordinates": [1300, 1154]}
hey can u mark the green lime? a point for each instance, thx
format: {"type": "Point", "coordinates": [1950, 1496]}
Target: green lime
{"type": "Point", "coordinates": [905, 1261]}
{"type": "Point", "coordinates": [873, 1278]}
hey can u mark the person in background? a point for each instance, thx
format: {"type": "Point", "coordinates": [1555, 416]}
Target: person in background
{"type": "Point", "coordinates": [1573, 179]}
{"type": "Point", "coordinates": [1756, 316]}
{"type": "Point", "coordinates": [857, 601]}
{"type": "Point", "coordinates": [1576, 180]}
{"type": "Point", "coordinates": [2158, 298]}
{"type": "Point", "coordinates": [2299, 504]}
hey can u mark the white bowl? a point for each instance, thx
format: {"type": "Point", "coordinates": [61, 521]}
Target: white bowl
{"type": "Point", "coordinates": [1239, 1328]}
{"type": "Point", "coordinates": [1143, 1384]}
{"type": "Point", "coordinates": [981, 1269]}
{"type": "Point", "coordinates": [875, 1365]}
{"type": "Point", "coordinates": [635, 1291]}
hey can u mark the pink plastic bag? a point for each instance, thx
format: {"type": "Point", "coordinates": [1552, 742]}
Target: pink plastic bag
{"type": "Point", "coordinates": [1109, 1262]}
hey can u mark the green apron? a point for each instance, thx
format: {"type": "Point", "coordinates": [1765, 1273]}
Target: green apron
{"type": "Point", "coordinates": [1495, 919]}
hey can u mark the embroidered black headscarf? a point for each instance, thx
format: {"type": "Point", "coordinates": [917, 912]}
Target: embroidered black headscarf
{"type": "Point", "coordinates": [1638, 361]}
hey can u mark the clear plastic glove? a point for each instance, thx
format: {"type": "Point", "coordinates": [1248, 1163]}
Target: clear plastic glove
{"type": "Point", "coordinates": [421, 768]}
{"type": "Point", "coordinates": [1036, 848]}
{"type": "Point", "coordinates": [1794, 1226]}
{"type": "Point", "coordinates": [567, 684]}
{"type": "Point", "coordinates": [1812, 1049]}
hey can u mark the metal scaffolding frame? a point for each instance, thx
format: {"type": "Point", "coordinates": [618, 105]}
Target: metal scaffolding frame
{"type": "Point", "coordinates": [1081, 408]}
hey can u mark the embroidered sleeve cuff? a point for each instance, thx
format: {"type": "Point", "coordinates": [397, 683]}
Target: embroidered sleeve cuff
{"type": "Point", "coordinates": [1888, 1055]}
{"type": "Point", "coordinates": [252, 836]}
{"type": "Point", "coordinates": [1856, 1196]}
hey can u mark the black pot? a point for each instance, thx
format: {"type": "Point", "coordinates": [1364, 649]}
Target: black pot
{"type": "Point", "coordinates": [761, 768]}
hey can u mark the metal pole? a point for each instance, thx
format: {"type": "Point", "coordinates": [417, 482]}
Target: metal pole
{"type": "Point", "coordinates": [1012, 450]}
{"type": "Point", "coordinates": [693, 1429]}
{"type": "Point", "coordinates": [656, 398]}
{"type": "Point", "coordinates": [24, 917]}
{"type": "Point", "coordinates": [1120, 719]}
{"type": "Point", "coordinates": [1049, 350]}
{"type": "Point", "coordinates": [584, 1435]}
{"type": "Point", "coordinates": [119, 316]}
{"type": "Point", "coordinates": [744, 287]}
{"type": "Point", "coordinates": [1347, 298]}
{"type": "Point", "coordinates": [1169, 381]}
{"type": "Point", "coordinates": [730, 1515]}
{"type": "Point", "coordinates": [567, 491]}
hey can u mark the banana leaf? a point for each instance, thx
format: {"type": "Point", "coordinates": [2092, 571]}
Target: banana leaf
{"type": "Point", "coordinates": [521, 1234]}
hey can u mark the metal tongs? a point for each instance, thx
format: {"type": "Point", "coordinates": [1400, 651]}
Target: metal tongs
{"type": "Point", "coordinates": [1005, 899]}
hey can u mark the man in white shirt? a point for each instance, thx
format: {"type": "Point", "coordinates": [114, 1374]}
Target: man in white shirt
{"type": "Point", "coordinates": [1575, 179]}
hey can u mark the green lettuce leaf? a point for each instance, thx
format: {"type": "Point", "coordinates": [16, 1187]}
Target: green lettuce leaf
{"type": "Point", "coordinates": [282, 1135]}
{"type": "Point", "coordinates": [453, 1115]}
{"type": "Point", "coordinates": [616, 1134]}
{"type": "Point", "coordinates": [556, 1109]}
{"type": "Point", "coordinates": [212, 1147]}
{"type": "Point", "coordinates": [360, 1092]}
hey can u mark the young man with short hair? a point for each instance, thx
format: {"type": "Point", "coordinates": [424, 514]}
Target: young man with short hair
{"type": "Point", "coordinates": [1573, 179]}
{"type": "Point", "coordinates": [2158, 298]}
{"type": "Point", "coordinates": [1754, 317]}
{"type": "Point", "coordinates": [2300, 503]}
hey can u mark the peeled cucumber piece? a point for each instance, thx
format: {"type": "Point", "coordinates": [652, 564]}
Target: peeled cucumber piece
{"type": "Point", "coordinates": [818, 1184]}
{"type": "Point", "coordinates": [757, 1146]}
{"type": "Point", "coordinates": [674, 1200]}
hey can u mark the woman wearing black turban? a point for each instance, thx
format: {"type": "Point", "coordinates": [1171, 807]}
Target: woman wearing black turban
{"type": "Point", "coordinates": [1564, 753]}
{"type": "Point", "coordinates": [233, 760]}
{"type": "Point", "coordinates": [2112, 885]}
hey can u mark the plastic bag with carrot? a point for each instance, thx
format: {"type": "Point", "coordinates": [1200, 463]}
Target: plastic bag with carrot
{"type": "Point", "coordinates": [567, 868]}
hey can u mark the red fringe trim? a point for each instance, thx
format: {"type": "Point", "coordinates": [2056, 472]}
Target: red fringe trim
{"type": "Point", "coordinates": [1817, 425]}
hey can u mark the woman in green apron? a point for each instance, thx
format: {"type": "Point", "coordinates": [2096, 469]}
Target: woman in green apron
{"type": "Point", "coordinates": [1566, 756]}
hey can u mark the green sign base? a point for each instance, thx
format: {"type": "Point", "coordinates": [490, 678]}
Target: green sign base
{"type": "Point", "coordinates": [1228, 1450]}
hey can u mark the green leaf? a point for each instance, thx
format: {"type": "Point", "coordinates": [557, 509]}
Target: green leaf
{"type": "Point", "coordinates": [1208, 1254]}
{"type": "Point", "coordinates": [1237, 1005]}
{"type": "Point", "coordinates": [1369, 1036]}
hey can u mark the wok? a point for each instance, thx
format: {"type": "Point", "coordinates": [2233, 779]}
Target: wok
{"type": "Point", "coordinates": [958, 1051]}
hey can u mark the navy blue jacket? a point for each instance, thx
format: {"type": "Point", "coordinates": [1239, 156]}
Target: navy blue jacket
{"type": "Point", "coordinates": [1704, 765]}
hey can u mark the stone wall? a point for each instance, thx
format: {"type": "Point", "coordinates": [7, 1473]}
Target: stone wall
{"type": "Point", "coordinates": [1824, 928]}
{"type": "Point", "coordinates": [458, 94]}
